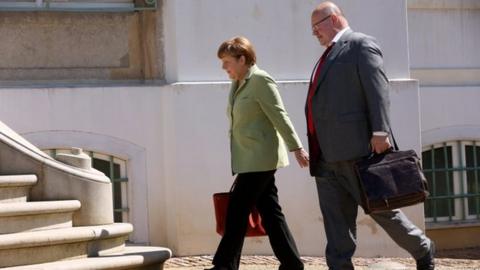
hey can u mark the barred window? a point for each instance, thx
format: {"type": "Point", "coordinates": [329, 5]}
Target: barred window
{"type": "Point", "coordinates": [452, 170]}
{"type": "Point", "coordinates": [115, 169]}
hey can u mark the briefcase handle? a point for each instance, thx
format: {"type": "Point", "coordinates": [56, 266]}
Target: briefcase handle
{"type": "Point", "coordinates": [395, 145]}
{"type": "Point", "coordinates": [391, 149]}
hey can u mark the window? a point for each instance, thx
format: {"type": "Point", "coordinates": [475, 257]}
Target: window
{"type": "Point", "coordinates": [115, 169]}
{"type": "Point", "coordinates": [77, 5]}
{"type": "Point", "coordinates": [452, 170]}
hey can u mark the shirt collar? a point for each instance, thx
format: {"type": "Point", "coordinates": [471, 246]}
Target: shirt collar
{"type": "Point", "coordinates": [340, 34]}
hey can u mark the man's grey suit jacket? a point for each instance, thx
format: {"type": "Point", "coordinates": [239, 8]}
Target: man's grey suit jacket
{"type": "Point", "coordinates": [351, 99]}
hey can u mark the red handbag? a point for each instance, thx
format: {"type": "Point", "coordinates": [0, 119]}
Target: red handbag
{"type": "Point", "coordinates": [220, 202]}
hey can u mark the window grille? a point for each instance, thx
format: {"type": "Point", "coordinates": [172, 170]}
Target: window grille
{"type": "Point", "coordinates": [452, 170]}
{"type": "Point", "coordinates": [115, 169]}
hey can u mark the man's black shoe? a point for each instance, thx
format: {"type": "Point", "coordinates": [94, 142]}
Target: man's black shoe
{"type": "Point", "coordinates": [427, 262]}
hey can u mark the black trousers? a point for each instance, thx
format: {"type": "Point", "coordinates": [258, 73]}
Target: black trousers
{"type": "Point", "coordinates": [256, 189]}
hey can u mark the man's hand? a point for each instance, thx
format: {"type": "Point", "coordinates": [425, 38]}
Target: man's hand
{"type": "Point", "coordinates": [302, 157]}
{"type": "Point", "coordinates": [380, 144]}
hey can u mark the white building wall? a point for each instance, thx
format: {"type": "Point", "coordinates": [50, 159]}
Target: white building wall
{"type": "Point", "coordinates": [175, 141]}
{"type": "Point", "coordinates": [444, 36]}
{"type": "Point", "coordinates": [444, 41]}
{"type": "Point", "coordinates": [280, 31]}
{"type": "Point", "coordinates": [175, 136]}
{"type": "Point", "coordinates": [199, 165]}
{"type": "Point", "coordinates": [450, 114]}
{"type": "Point", "coordinates": [123, 122]}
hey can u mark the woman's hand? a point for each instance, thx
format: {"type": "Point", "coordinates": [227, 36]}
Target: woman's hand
{"type": "Point", "coordinates": [302, 157]}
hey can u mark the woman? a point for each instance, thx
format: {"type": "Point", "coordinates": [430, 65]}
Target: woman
{"type": "Point", "coordinates": [260, 131]}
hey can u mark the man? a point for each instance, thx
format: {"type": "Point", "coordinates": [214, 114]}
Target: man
{"type": "Point", "coordinates": [347, 117]}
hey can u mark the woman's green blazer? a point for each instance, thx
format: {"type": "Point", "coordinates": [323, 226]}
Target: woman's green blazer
{"type": "Point", "coordinates": [260, 129]}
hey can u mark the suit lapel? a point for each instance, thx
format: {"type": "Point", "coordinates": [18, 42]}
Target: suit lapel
{"type": "Point", "coordinates": [235, 85]}
{"type": "Point", "coordinates": [337, 48]}
{"type": "Point", "coordinates": [232, 94]}
{"type": "Point", "coordinates": [235, 89]}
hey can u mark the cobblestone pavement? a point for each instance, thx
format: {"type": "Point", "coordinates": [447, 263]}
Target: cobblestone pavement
{"type": "Point", "coordinates": [452, 260]}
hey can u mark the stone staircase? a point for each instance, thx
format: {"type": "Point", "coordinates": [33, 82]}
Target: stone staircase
{"type": "Point", "coordinates": [44, 221]}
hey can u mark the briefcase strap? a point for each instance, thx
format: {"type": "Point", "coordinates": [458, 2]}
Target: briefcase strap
{"type": "Point", "coordinates": [395, 145]}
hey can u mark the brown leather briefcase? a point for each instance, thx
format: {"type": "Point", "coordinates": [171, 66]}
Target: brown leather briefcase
{"type": "Point", "coordinates": [391, 180]}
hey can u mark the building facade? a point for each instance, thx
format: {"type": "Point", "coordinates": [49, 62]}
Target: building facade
{"type": "Point", "coordinates": [138, 86]}
{"type": "Point", "coordinates": [443, 41]}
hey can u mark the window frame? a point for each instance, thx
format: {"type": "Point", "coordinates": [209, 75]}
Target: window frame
{"type": "Point", "coordinates": [475, 168]}
{"type": "Point", "coordinates": [460, 194]}
{"type": "Point", "coordinates": [123, 179]}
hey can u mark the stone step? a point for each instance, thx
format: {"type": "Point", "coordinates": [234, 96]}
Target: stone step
{"type": "Point", "coordinates": [35, 216]}
{"type": "Point", "coordinates": [62, 244]}
{"type": "Point", "coordinates": [133, 257]}
{"type": "Point", "coordinates": [15, 188]}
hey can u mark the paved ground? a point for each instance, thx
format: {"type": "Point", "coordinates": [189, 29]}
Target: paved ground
{"type": "Point", "coordinates": [452, 260]}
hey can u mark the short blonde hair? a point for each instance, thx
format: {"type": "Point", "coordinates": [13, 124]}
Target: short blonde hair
{"type": "Point", "coordinates": [238, 47]}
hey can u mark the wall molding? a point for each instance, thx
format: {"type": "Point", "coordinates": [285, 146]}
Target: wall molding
{"type": "Point", "coordinates": [447, 76]}
{"type": "Point", "coordinates": [443, 4]}
{"type": "Point", "coordinates": [451, 133]}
